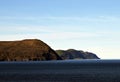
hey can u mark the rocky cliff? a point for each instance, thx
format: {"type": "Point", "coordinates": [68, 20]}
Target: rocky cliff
{"type": "Point", "coordinates": [26, 50]}
{"type": "Point", "coordinates": [76, 54]}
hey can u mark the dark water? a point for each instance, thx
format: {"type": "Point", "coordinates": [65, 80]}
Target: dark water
{"type": "Point", "coordinates": [61, 71]}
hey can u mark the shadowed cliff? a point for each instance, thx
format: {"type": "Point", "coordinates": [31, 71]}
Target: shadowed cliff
{"type": "Point", "coordinates": [26, 50]}
{"type": "Point", "coordinates": [76, 54]}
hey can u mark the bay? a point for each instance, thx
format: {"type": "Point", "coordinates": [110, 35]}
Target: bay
{"type": "Point", "coordinates": [61, 71]}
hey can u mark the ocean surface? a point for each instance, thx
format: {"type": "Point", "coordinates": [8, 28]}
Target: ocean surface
{"type": "Point", "coordinates": [61, 71]}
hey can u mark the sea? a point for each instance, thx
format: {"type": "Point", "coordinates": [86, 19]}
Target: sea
{"type": "Point", "coordinates": [88, 70]}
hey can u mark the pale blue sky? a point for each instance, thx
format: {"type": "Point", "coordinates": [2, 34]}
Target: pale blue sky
{"type": "Point", "coordinates": [89, 25]}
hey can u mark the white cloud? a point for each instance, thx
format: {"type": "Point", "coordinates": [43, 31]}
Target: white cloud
{"type": "Point", "coordinates": [51, 35]}
{"type": "Point", "coordinates": [48, 32]}
{"type": "Point", "coordinates": [54, 18]}
{"type": "Point", "coordinates": [24, 29]}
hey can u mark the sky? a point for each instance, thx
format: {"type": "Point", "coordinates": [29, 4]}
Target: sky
{"type": "Point", "coordinates": [89, 25]}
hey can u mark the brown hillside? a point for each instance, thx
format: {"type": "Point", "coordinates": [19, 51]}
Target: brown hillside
{"type": "Point", "coordinates": [26, 50]}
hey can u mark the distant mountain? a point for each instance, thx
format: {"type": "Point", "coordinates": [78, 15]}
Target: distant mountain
{"type": "Point", "coordinates": [26, 50]}
{"type": "Point", "coordinates": [76, 54]}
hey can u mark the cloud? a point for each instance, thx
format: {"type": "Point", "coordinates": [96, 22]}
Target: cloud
{"type": "Point", "coordinates": [62, 18]}
{"type": "Point", "coordinates": [24, 29]}
{"type": "Point", "coordinates": [52, 35]}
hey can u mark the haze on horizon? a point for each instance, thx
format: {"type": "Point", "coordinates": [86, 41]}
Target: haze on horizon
{"type": "Point", "coordinates": [89, 25]}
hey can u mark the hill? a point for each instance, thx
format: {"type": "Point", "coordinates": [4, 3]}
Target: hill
{"type": "Point", "coordinates": [76, 54]}
{"type": "Point", "coordinates": [26, 50]}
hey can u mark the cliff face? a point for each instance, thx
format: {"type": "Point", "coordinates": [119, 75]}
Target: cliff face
{"type": "Point", "coordinates": [76, 54]}
{"type": "Point", "coordinates": [26, 50]}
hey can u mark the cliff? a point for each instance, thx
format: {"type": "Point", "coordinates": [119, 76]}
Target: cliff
{"type": "Point", "coordinates": [26, 50]}
{"type": "Point", "coordinates": [76, 54]}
